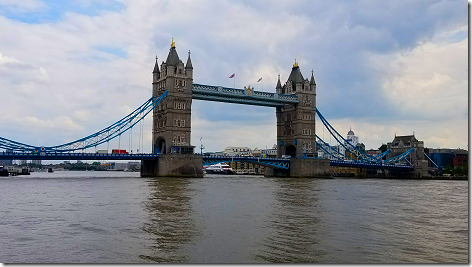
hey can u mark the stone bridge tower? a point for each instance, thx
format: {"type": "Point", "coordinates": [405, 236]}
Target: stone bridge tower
{"type": "Point", "coordinates": [296, 122]}
{"type": "Point", "coordinates": [171, 118]}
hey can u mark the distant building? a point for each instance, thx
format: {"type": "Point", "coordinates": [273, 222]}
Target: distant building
{"type": "Point", "coordinates": [444, 157]}
{"type": "Point", "coordinates": [256, 152]}
{"type": "Point", "coordinates": [123, 166]}
{"type": "Point", "coordinates": [237, 151]}
{"type": "Point", "coordinates": [373, 152]}
{"type": "Point", "coordinates": [214, 154]}
{"type": "Point", "coordinates": [270, 152]}
{"type": "Point", "coordinates": [402, 144]}
{"type": "Point", "coordinates": [351, 139]}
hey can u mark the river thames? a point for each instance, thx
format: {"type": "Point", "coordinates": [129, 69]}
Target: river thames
{"type": "Point", "coordinates": [117, 217]}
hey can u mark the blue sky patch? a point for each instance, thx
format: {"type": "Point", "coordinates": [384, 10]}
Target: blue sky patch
{"type": "Point", "coordinates": [113, 50]}
{"type": "Point", "coordinates": [53, 10]}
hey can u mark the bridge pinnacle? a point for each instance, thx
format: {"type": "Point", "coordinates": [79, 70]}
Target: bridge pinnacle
{"type": "Point", "coordinates": [156, 67]}
{"type": "Point", "coordinates": [172, 45]}
{"type": "Point", "coordinates": [189, 62]}
{"type": "Point", "coordinates": [312, 80]}
{"type": "Point", "coordinates": [279, 85]}
{"type": "Point", "coordinates": [295, 64]}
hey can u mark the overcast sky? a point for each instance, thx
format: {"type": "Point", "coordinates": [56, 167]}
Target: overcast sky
{"type": "Point", "coordinates": [71, 68]}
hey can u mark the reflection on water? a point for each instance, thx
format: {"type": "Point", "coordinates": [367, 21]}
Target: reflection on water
{"type": "Point", "coordinates": [169, 224]}
{"type": "Point", "coordinates": [294, 224]}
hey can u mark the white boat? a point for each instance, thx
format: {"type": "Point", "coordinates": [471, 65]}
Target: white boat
{"type": "Point", "coordinates": [221, 168]}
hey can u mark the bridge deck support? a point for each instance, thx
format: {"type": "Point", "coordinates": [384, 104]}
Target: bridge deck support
{"type": "Point", "coordinates": [173, 165]}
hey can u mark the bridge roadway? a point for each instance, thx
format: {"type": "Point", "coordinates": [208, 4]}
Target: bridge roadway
{"type": "Point", "coordinates": [277, 163]}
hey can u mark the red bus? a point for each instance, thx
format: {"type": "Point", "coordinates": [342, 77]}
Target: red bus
{"type": "Point", "coordinates": [119, 151]}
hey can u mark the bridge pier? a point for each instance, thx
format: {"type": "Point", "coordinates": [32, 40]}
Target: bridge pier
{"type": "Point", "coordinates": [303, 168]}
{"type": "Point", "coordinates": [269, 172]}
{"type": "Point", "coordinates": [173, 165]}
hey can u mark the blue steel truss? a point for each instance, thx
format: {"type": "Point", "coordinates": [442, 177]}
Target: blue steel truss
{"type": "Point", "coordinates": [399, 157]}
{"type": "Point", "coordinates": [241, 96]}
{"type": "Point", "coordinates": [102, 136]}
{"type": "Point", "coordinates": [362, 157]}
{"type": "Point", "coordinates": [380, 156]}
{"type": "Point", "coordinates": [323, 145]}
{"type": "Point", "coordinates": [354, 150]}
{"type": "Point", "coordinates": [270, 162]}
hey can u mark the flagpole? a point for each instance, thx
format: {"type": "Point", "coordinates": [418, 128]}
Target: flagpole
{"type": "Point", "coordinates": [234, 81]}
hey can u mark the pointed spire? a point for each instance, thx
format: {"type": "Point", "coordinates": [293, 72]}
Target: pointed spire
{"type": "Point", "coordinates": [189, 62]}
{"type": "Point", "coordinates": [279, 85]}
{"type": "Point", "coordinates": [312, 80]}
{"type": "Point", "coordinates": [172, 58]}
{"type": "Point", "coordinates": [156, 67]}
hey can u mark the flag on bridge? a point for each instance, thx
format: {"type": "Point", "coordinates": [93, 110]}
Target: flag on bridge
{"type": "Point", "coordinates": [259, 79]}
{"type": "Point", "coordinates": [232, 75]}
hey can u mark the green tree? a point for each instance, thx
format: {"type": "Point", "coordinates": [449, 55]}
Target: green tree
{"type": "Point", "coordinates": [448, 169]}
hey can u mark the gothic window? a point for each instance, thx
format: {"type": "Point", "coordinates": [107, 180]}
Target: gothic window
{"type": "Point", "coordinates": [306, 131]}
{"type": "Point", "coordinates": [179, 105]}
{"type": "Point", "coordinates": [180, 83]}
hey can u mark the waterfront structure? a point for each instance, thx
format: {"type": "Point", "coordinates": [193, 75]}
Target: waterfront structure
{"type": "Point", "coordinates": [296, 122]}
{"type": "Point", "coordinates": [172, 118]}
{"type": "Point", "coordinates": [172, 93]}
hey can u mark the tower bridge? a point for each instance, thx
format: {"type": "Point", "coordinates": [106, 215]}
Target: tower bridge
{"type": "Point", "coordinates": [172, 154]}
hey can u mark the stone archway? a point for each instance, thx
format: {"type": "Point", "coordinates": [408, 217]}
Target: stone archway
{"type": "Point", "coordinates": [291, 151]}
{"type": "Point", "coordinates": [161, 146]}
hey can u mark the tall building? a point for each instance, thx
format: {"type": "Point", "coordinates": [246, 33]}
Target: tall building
{"type": "Point", "coordinates": [171, 118]}
{"type": "Point", "coordinates": [296, 122]}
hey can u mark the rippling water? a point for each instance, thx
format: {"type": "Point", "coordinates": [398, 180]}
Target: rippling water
{"type": "Point", "coordinates": [100, 217]}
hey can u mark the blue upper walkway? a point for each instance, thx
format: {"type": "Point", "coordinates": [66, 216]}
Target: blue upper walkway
{"type": "Point", "coordinates": [241, 96]}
